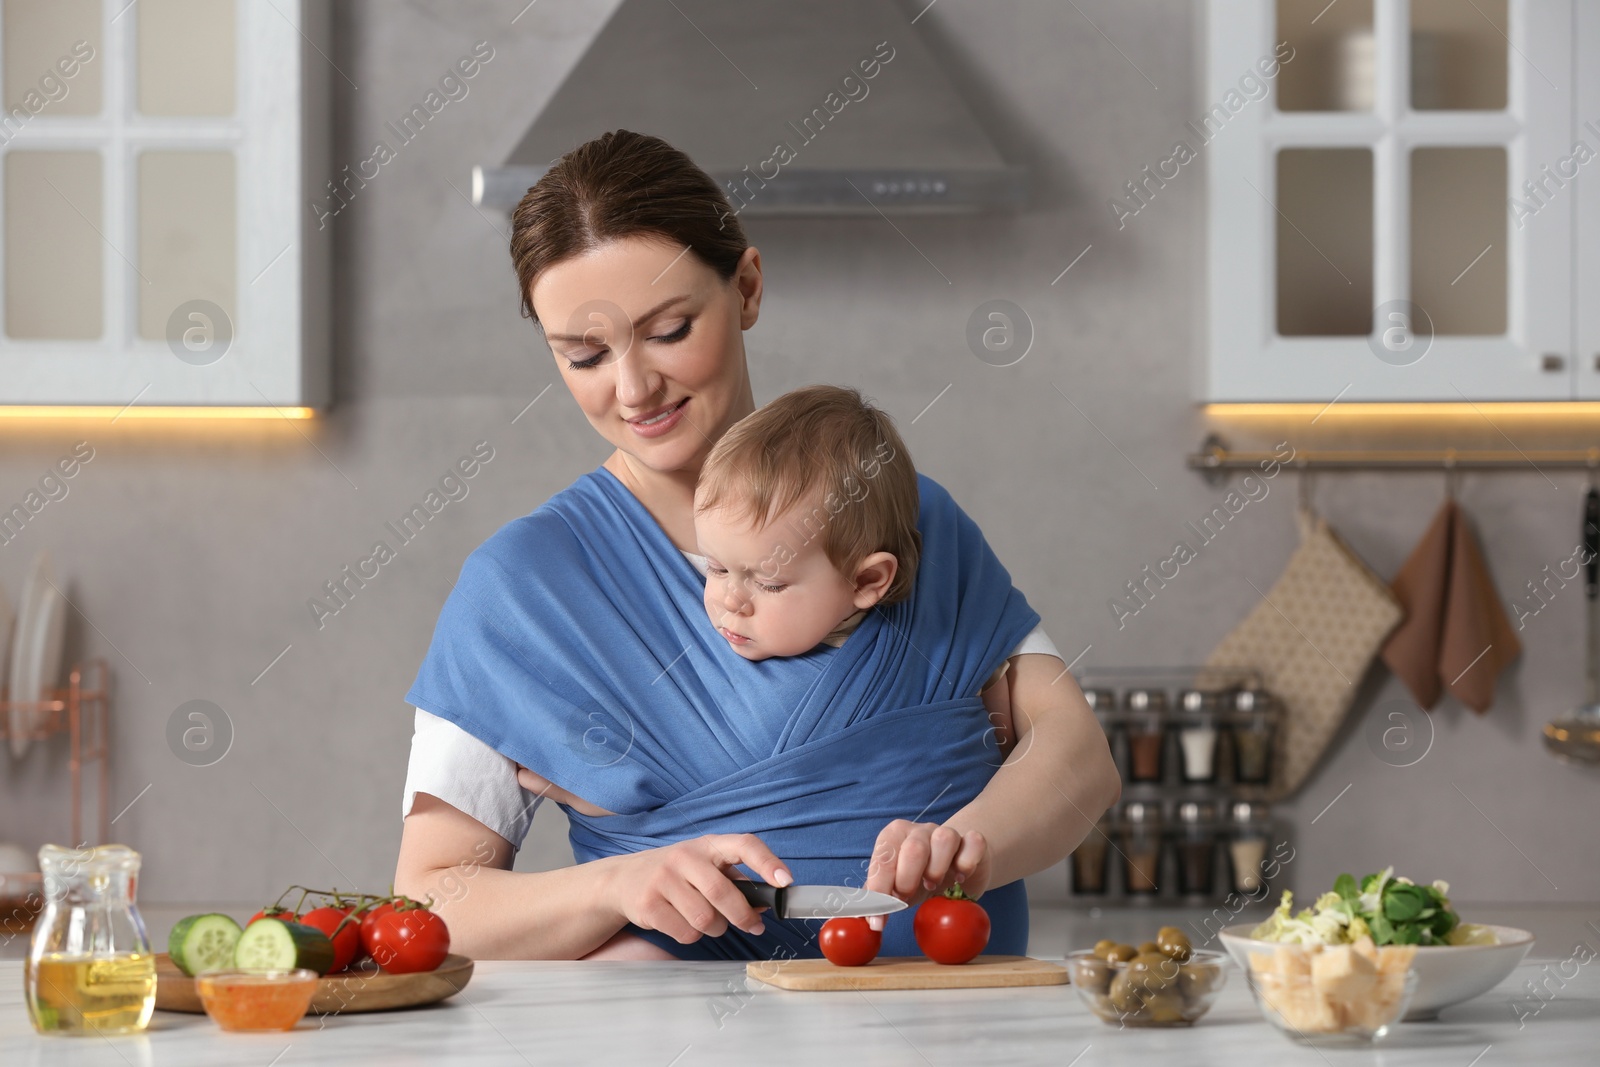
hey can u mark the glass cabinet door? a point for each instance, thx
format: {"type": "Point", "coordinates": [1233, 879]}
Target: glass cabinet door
{"type": "Point", "coordinates": [1367, 240]}
{"type": "Point", "coordinates": [152, 159]}
{"type": "Point", "coordinates": [1581, 165]}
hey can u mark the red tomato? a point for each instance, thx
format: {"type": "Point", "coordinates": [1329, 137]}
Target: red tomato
{"type": "Point", "coordinates": [346, 943]}
{"type": "Point", "coordinates": [404, 942]}
{"type": "Point", "coordinates": [849, 942]}
{"type": "Point", "coordinates": [369, 923]}
{"type": "Point", "coordinates": [275, 913]}
{"type": "Point", "coordinates": [952, 928]}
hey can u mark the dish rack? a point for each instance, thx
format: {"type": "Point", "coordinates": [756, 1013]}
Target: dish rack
{"type": "Point", "coordinates": [82, 711]}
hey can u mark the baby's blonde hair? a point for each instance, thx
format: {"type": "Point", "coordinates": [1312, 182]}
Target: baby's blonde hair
{"type": "Point", "coordinates": [824, 445]}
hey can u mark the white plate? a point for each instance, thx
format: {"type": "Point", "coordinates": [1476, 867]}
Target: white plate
{"type": "Point", "coordinates": [7, 617]}
{"type": "Point", "coordinates": [1446, 974]}
{"type": "Point", "coordinates": [18, 658]}
{"type": "Point", "coordinates": [49, 635]}
{"type": "Point", "coordinates": [23, 657]}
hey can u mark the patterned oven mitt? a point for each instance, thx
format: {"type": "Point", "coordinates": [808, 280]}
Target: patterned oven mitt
{"type": "Point", "coordinates": [1312, 639]}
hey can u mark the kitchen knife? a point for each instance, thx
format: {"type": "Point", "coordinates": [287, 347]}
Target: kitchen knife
{"type": "Point", "coordinates": [817, 901]}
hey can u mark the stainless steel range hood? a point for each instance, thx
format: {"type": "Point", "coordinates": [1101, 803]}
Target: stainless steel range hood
{"type": "Point", "coordinates": [796, 107]}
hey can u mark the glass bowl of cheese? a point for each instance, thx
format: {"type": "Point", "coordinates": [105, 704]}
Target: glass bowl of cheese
{"type": "Point", "coordinates": [1333, 994]}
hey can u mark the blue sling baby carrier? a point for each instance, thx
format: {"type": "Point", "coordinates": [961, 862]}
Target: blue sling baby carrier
{"type": "Point", "coordinates": [576, 643]}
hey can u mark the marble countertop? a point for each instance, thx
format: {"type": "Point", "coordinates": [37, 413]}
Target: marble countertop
{"type": "Point", "coordinates": [679, 1014]}
{"type": "Point", "coordinates": [1054, 929]}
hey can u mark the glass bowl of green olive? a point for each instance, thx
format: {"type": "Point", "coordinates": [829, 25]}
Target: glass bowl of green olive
{"type": "Point", "coordinates": [1164, 982]}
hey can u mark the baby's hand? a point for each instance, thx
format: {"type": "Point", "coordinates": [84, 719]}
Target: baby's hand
{"type": "Point", "coordinates": [914, 860]}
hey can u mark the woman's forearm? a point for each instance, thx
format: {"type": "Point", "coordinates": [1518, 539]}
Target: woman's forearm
{"type": "Point", "coordinates": [526, 915]}
{"type": "Point", "coordinates": [1054, 785]}
{"type": "Point", "coordinates": [492, 911]}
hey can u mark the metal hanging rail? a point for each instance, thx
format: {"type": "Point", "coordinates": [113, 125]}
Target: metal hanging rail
{"type": "Point", "coordinates": [1215, 457]}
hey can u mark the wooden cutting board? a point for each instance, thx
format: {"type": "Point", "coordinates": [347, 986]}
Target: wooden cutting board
{"type": "Point", "coordinates": [907, 972]}
{"type": "Point", "coordinates": [350, 991]}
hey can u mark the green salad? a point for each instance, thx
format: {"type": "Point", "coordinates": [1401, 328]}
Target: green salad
{"type": "Point", "coordinates": [1389, 910]}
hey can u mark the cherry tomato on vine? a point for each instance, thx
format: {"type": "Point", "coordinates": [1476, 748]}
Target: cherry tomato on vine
{"type": "Point", "coordinates": [275, 913]}
{"type": "Point", "coordinates": [346, 942]}
{"type": "Point", "coordinates": [369, 922]}
{"type": "Point", "coordinates": [849, 942]}
{"type": "Point", "coordinates": [408, 940]}
{"type": "Point", "coordinates": [952, 927]}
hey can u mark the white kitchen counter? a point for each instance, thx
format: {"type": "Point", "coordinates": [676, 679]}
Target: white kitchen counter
{"type": "Point", "coordinates": [678, 1014]}
{"type": "Point", "coordinates": [1056, 929]}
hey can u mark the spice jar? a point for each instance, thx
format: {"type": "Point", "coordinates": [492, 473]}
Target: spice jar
{"type": "Point", "coordinates": [1089, 860]}
{"type": "Point", "coordinates": [1197, 735]}
{"type": "Point", "coordinates": [1254, 727]}
{"type": "Point", "coordinates": [1247, 845]}
{"type": "Point", "coordinates": [1103, 702]}
{"type": "Point", "coordinates": [1141, 846]}
{"type": "Point", "coordinates": [1196, 846]}
{"type": "Point", "coordinates": [1146, 717]}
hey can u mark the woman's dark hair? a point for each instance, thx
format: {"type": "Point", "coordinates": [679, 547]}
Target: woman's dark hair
{"type": "Point", "coordinates": [622, 184]}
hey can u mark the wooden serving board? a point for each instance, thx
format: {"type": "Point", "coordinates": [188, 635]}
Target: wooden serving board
{"type": "Point", "coordinates": [907, 972]}
{"type": "Point", "coordinates": [358, 990]}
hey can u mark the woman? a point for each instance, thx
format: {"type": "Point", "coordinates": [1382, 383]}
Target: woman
{"type": "Point", "coordinates": [555, 650]}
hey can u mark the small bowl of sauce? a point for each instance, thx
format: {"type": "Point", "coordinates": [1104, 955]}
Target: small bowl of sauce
{"type": "Point", "coordinates": [253, 1001]}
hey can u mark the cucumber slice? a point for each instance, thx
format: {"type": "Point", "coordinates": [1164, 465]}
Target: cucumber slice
{"type": "Point", "coordinates": [202, 943]}
{"type": "Point", "coordinates": [274, 945]}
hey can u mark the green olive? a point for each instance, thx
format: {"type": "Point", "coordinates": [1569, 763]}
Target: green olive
{"type": "Point", "coordinates": [1164, 1008]}
{"type": "Point", "coordinates": [1152, 972]}
{"type": "Point", "coordinates": [1121, 953]}
{"type": "Point", "coordinates": [1174, 943]}
{"type": "Point", "coordinates": [1196, 980]}
{"type": "Point", "coordinates": [1148, 946]}
{"type": "Point", "coordinates": [1092, 975]}
{"type": "Point", "coordinates": [1103, 946]}
{"type": "Point", "coordinates": [1126, 997]}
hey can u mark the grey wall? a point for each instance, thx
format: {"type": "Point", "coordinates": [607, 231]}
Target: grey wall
{"type": "Point", "coordinates": [192, 552]}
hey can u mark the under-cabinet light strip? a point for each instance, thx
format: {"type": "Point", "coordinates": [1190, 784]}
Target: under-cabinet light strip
{"type": "Point", "coordinates": [1451, 409]}
{"type": "Point", "coordinates": [52, 411]}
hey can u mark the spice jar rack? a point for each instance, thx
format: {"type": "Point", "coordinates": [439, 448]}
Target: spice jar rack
{"type": "Point", "coordinates": [1194, 747]}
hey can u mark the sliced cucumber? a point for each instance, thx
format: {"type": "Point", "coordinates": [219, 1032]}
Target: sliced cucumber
{"type": "Point", "coordinates": [203, 943]}
{"type": "Point", "coordinates": [274, 945]}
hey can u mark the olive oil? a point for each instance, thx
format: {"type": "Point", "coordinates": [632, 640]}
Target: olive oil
{"type": "Point", "coordinates": [91, 994]}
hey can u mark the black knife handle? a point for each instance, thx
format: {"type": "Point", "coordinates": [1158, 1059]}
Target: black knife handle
{"type": "Point", "coordinates": [762, 895]}
{"type": "Point", "coordinates": [1591, 543]}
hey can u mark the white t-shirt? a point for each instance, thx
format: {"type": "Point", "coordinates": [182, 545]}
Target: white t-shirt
{"type": "Point", "coordinates": [451, 764]}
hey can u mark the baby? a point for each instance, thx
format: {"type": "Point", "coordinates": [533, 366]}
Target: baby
{"type": "Point", "coordinates": [806, 512]}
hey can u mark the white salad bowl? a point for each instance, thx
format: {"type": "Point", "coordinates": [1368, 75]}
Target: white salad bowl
{"type": "Point", "coordinates": [1446, 974]}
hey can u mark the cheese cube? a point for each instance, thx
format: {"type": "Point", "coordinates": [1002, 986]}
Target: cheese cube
{"type": "Point", "coordinates": [1396, 959]}
{"type": "Point", "coordinates": [1293, 961]}
{"type": "Point", "coordinates": [1303, 1007]}
{"type": "Point", "coordinates": [1342, 974]}
{"type": "Point", "coordinates": [1381, 1005]}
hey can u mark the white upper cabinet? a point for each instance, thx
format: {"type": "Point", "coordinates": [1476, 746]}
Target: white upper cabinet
{"type": "Point", "coordinates": [1586, 123]}
{"type": "Point", "coordinates": [1392, 199]}
{"type": "Point", "coordinates": [155, 166]}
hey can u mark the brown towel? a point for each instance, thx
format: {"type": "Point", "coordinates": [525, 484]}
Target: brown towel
{"type": "Point", "coordinates": [1456, 635]}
